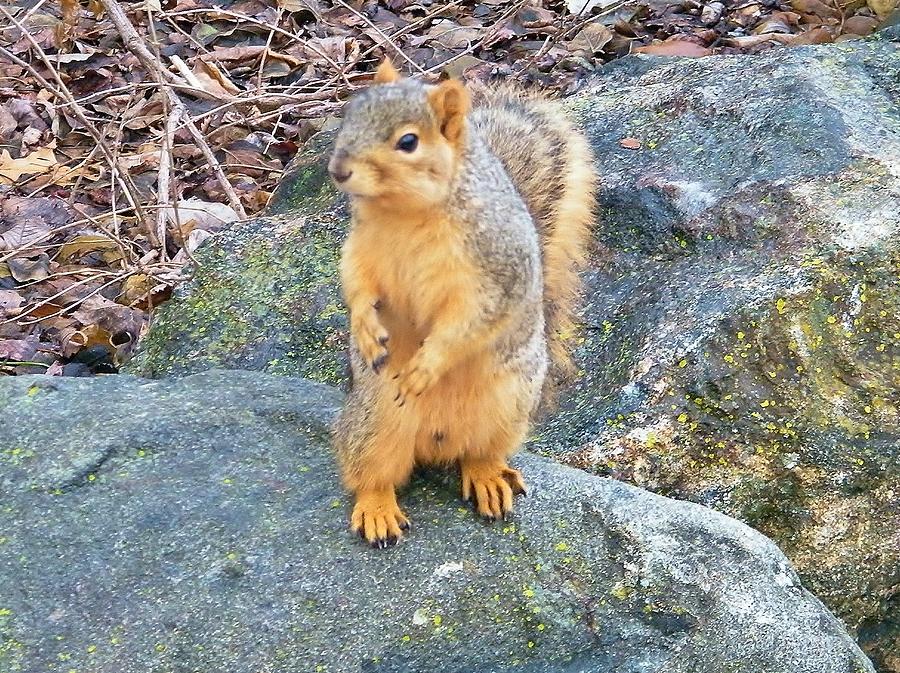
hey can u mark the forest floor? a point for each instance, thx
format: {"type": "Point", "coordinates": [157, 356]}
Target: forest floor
{"type": "Point", "coordinates": [130, 132]}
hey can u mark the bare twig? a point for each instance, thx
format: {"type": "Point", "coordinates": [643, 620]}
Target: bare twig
{"type": "Point", "coordinates": [70, 307]}
{"type": "Point", "coordinates": [64, 93]}
{"type": "Point", "coordinates": [33, 9]}
{"type": "Point", "coordinates": [233, 198]}
{"type": "Point", "coordinates": [280, 101]}
{"type": "Point", "coordinates": [262, 60]}
{"type": "Point", "coordinates": [182, 67]}
{"type": "Point", "coordinates": [163, 195]}
{"type": "Point", "coordinates": [135, 44]}
{"type": "Point", "coordinates": [319, 112]}
{"type": "Point", "coordinates": [65, 274]}
{"type": "Point", "coordinates": [250, 19]}
{"type": "Point", "coordinates": [45, 302]}
{"type": "Point", "coordinates": [387, 40]}
{"type": "Point", "coordinates": [151, 64]}
{"type": "Point", "coordinates": [22, 363]}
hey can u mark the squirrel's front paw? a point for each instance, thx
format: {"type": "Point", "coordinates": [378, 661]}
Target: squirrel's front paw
{"type": "Point", "coordinates": [371, 339]}
{"type": "Point", "coordinates": [378, 518]}
{"type": "Point", "coordinates": [417, 377]}
{"type": "Point", "coordinates": [492, 485]}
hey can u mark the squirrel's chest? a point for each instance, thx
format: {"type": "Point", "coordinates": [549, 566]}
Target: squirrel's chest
{"type": "Point", "coordinates": [417, 270]}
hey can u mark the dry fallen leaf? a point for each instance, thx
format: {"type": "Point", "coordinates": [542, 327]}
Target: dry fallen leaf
{"type": "Point", "coordinates": [194, 240]}
{"type": "Point", "coordinates": [134, 289]}
{"type": "Point", "coordinates": [819, 35]}
{"type": "Point", "coordinates": [860, 25]}
{"type": "Point", "coordinates": [630, 143]}
{"type": "Point", "coordinates": [883, 8]}
{"type": "Point", "coordinates": [327, 50]}
{"type": "Point", "coordinates": [197, 214]}
{"type": "Point", "coordinates": [449, 34]}
{"type": "Point", "coordinates": [213, 80]}
{"type": "Point", "coordinates": [748, 41]}
{"type": "Point", "coordinates": [8, 123]}
{"type": "Point", "coordinates": [457, 67]}
{"type": "Point", "coordinates": [24, 234]}
{"type": "Point", "coordinates": [25, 113]}
{"type": "Point", "coordinates": [314, 7]}
{"type": "Point", "coordinates": [250, 53]}
{"type": "Point", "coordinates": [816, 7]}
{"type": "Point", "coordinates": [10, 302]}
{"type": "Point", "coordinates": [18, 349]}
{"type": "Point", "coordinates": [584, 7]}
{"type": "Point", "coordinates": [86, 243]}
{"type": "Point", "coordinates": [39, 161]}
{"type": "Point", "coordinates": [117, 320]}
{"type": "Point", "coordinates": [778, 22]}
{"type": "Point", "coordinates": [590, 40]}
{"type": "Point", "coordinates": [674, 48]}
{"type": "Point", "coordinates": [24, 270]}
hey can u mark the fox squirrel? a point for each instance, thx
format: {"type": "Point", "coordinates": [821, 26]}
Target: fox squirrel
{"type": "Point", "coordinates": [471, 218]}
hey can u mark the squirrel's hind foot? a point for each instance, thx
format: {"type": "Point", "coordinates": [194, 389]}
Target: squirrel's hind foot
{"type": "Point", "coordinates": [378, 519]}
{"type": "Point", "coordinates": [491, 485]}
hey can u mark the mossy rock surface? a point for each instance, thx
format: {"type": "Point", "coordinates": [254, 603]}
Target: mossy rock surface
{"type": "Point", "coordinates": [197, 525]}
{"type": "Point", "coordinates": [265, 294]}
{"type": "Point", "coordinates": [741, 341]}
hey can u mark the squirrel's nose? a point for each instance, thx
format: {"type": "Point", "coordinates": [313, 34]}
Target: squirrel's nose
{"type": "Point", "coordinates": [339, 175]}
{"type": "Point", "coordinates": [336, 167]}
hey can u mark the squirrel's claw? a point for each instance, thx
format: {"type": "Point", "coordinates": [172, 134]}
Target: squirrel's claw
{"type": "Point", "coordinates": [371, 340]}
{"type": "Point", "coordinates": [414, 381]}
{"type": "Point", "coordinates": [491, 487]}
{"type": "Point", "coordinates": [378, 519]}
{"type": "Point", "coordinates": [379, 361]}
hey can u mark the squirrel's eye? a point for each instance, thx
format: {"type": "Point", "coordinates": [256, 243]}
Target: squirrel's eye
{"type": "Point", "coordinates": [408, 143]}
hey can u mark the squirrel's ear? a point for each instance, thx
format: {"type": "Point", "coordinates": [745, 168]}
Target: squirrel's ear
{"type": "Point", "coordinates": [450, 102]}
{"type": "Point", "coordinates": [386, 73]}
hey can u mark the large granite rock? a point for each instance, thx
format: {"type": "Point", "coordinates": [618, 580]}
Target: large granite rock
{"type": "Point", "coordinates": [196, 525]}
{"type": "Point", "coordinates": [742, 324]}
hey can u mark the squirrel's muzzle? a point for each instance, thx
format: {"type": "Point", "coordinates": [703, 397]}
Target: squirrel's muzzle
{"type": "Point", "coordinates": [337, 166]}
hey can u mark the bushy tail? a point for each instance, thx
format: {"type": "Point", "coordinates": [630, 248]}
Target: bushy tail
{"type": "Point", "coordinates": [551, 164]}
{"type": "Point", "coordinates": [566, 243]}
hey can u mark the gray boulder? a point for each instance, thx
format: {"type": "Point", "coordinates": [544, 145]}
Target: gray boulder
{"type": "Point", "coordinates": [741, 334]}
{"type": "Point", "coordinates": [196, 525]}
{"type": "Point", "coordinates": [742, 322]}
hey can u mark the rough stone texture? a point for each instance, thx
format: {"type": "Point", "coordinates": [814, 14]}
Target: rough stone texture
{"type": "Point", "coordinates": [742, 337]}
{"type": "Point", "coordinates": [265, 296]}
{"type": "Point", "coordinates": [742, 326]}
{"type": "Point", "coordinates": [196, 525]}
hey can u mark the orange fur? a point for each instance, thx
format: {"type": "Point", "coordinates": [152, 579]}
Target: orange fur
{"type": "Point", "coordinates": [432, 319]}
{"type": "Point", "coordinates": [566, 246]}
{"type": "Point", "coordinates": [450, 102]}
{"type": "Point", "coordinates": [386, 73]}
{"type": "Point", "coordinates": [435, 391]}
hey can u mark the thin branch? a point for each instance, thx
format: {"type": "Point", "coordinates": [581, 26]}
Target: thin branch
{"type": "Point", "coordinates": [64, 93]}
{"type": "Point", "coordinates": [243, 17]}
{"type": "Point", "coordinates": [387, 40]}
{"type": "Point", "coordinates": [135, 44]}
{"type": "Point", "coordinates": [21, 363]}
{"type": "Point", "coordinates": [262, 60]}
{"type": "Point", "coordinates": [163, 191]}
{"type": "Point", "coordinates": [71, 307]}
{"type": "Point", "coordinates": [139, 49]}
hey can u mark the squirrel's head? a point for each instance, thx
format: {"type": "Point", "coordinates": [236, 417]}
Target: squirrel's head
{"type": "Point", "coordinates": [401, 138]}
